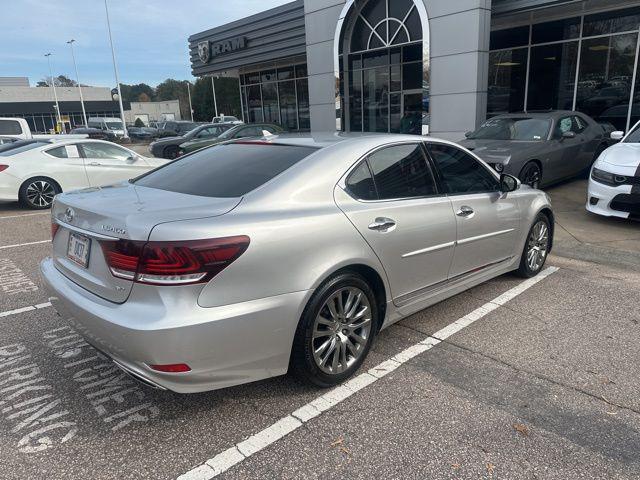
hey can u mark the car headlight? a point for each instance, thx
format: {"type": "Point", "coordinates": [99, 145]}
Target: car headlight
{"type": "Point", "coordinates": [607, 178]}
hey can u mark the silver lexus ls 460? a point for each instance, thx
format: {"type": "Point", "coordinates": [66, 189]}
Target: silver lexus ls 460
{"type": "Point", "coordinates": [257, 257]}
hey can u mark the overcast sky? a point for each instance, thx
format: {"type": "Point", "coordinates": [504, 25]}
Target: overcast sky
{"type": "Point", "coordinates": [150, 36]}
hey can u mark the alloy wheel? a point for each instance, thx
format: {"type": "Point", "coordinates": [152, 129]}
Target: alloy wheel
{"type": "Point", "coordinates": [341, 330]}
{"type": "Point", "coordinates": [40, 193]}
{"type": "Point", "coordinates": [537, 246]}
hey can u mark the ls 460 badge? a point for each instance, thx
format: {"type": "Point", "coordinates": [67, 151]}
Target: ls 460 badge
{"type": "Point", "coordinates": [112, 229]}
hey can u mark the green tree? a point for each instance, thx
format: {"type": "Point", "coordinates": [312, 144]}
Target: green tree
{"type": "Point", "coordinates": [132, 93]}
{"type": "Point", "coordinates": [138, 123]}
{"type": "Point", "coordinates": [172, 89]}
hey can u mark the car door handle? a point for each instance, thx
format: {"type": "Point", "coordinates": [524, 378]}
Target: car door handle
{"type": "Point", "coordinates": [382, 224]}
{"type": "Point", "coordinates": [465, 211]}
{"type": "Point", "coordinates": [95, 164]}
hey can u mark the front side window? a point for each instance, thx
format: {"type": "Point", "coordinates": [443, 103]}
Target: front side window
{"type": "Point", "coordinates": [401, 171]}
{"type": "Point", "coordinates": [103, 150]}
{"type": "Point", "coordinates": [225, 171]}
{"type": "Point", "coordinates": [460, 172]}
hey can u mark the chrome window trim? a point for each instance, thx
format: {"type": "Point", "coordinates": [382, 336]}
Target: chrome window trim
{"type": "Point", "coordinates": [84, 232]}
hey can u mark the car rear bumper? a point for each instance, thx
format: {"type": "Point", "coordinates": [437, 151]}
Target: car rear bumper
{"type": "Point", "coordinates": [223, 346]}
{"type": "Point", "coordinates": [600, 199]}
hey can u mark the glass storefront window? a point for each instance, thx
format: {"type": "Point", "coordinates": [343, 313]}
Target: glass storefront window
{"type": "Point", "coordinates": [512, 37]}
{"type": "Point", "coordinates": [270, 102]}
{"type": "Point", "coordinates": [552, 77]}
{"type": "Point", "coordinates": [254, 104]}
{"type": "Point", "coordinates": [558, 30]}
{"type": "Point", "coordinates": [606, 72]}
{"type": "Point", "coordinates": [288, 111]}
{"type": "Point", "coordinates": [507, 80]}
{"type": "Point", "coordinates": [611, 22]}
{"type": "Point", "coordinates": [304, 116]}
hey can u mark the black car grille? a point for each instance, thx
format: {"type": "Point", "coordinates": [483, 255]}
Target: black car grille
{"type": "Point", "coordinates": [627, 202]}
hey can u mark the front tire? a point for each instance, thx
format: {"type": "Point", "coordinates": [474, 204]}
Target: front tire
{"type": "Point", "coordinates": [336, 331]}
{"type": "Point", "coordinates": [531, 174]}
{"type": "Point", "coordinates": [536, 248]}
{"type": "Point", "coordinates": [37, 193]}
{"type": "Point", "coordinates": [171, 152]}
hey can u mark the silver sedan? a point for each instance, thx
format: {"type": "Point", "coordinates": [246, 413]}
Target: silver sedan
{"type": "Point", "coordinates": [257, 257]}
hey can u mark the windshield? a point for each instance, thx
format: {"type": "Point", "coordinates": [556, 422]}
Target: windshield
{"type": "Point", "coordinates": [228, 134]}
{"type": "Point", "coordinates": [114, 125]}
{"type": "Point", "coordinates": [225, 171]}
{"type": "Point", "coordinates": [19, 147]}
{"type": "Point", "coordinates": [634, 135]}
{"type": "Point", "coordinates": [528, 129]}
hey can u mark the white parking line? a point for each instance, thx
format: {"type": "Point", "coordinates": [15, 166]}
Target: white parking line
{"type": "Point", "coordinates": [3, 247]}
{"type": "Point", "coordinates": [243, 450]}
{"type": "Point", "coordinates": [30, 308]}
{"type": "Point", "coordinates": [25, 215]}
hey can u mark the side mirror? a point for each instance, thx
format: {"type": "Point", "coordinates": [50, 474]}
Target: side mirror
{"type": "Point", "coordinates": [132, 159]}
{"type": "Point", "coordinates": [617, 135]}
{"type": "Point", "coordinates": [508, 183]}
{"type": "Point", "coordinates": [468, 134]}
{"type": "Point", "coordinates": [569, 134]}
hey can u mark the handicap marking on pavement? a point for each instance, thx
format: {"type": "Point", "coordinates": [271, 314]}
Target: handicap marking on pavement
{"type": "Point", "coordinates": [28, 403]}
{"type": "Point", "coordinates": [117, 398]}
{"type": "Point", "coordinates": [257, 442]}
{"type": "Point", "coordinates": [13, 280]}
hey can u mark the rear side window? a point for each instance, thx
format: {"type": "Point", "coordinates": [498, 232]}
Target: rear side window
{"type": "Point", "coordinates": [225, 171]}
{"type": "Point", "coordinates": [10, 127]}
{"type": "Point", "coordinates": [360, 183]}
{"type": "Point", "coordinates": [460, 172]}
{"type": "Point", "coordinates": [401, 171]}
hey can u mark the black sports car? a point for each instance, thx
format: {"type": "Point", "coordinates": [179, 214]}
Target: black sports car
{"type": "Point", "coordinates": [168, 147]}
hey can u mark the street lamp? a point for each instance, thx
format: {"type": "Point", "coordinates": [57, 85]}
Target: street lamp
{"type": "Point", "coordinates": [75, 66]}
{"type": "Point", "coordinates": [115, 70]}
{"type": "Point", "coordinates": [53, 84]}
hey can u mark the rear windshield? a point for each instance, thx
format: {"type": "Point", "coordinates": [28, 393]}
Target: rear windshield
{"type": "Point", "coordinates": [225, 171]}
{"type": "Point", "coordinates": [19, 147]}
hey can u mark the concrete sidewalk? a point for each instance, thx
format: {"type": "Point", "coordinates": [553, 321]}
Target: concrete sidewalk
{"type": "Point", "coordinates": [582, 235]}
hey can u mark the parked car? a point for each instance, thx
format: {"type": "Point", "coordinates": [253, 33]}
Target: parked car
{"type": "Point", "coordinates": [95, 133]}
{"type": "Point", "coordinates": [227, 119]}
{"type": "Point", "coordinates": [242, 261]}
{"type": "Point", "coordinates": [176, 128]}
{"type": "Point", "coordinates": [614, 183]}
{"type": "Point", "coordinates": [142, 133]}
{"type": "Point", "coordinates": [19, 129]}
{"type": "Point", "coordinates": [539, 148]}
{"type": "Point", "coordinates": [35, 172]}
{"type": "Point", "coordinates": [112, 125]}
{"type": "Point", "coordinates": [238, 131]}
{"type": "Point", "coordinates": [168, 147]}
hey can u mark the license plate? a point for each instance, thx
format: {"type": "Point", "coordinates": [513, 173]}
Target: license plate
{"type": "Point", "coordinates": [78, 249]}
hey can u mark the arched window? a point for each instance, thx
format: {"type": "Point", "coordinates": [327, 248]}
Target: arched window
{"type": "Point", "coordinates": [386, 23]}
{"type": "Point", "coordinates": [382, 63]}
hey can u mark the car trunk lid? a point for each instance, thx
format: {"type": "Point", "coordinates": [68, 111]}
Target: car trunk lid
{"type": "Point", "coordinates": [108, 214]}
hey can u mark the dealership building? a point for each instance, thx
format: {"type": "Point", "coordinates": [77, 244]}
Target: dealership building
{"type": "Point", "coordinates": [391, 65]}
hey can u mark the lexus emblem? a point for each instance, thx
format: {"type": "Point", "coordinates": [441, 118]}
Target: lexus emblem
{"type": "Point", "coordinates": [204, 51]}
{"type": "Point", "coordinates": [69, 215]}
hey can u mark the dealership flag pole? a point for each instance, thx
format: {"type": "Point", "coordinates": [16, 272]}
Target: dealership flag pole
{"type": "Point", "coordinates": [115, 70]}
{"type": "Point", "coordinates": [215, 101]}
{"type": "Point", "coordinates": [84, 112]}
{"type": "Point", "coordinates": [55, 94]}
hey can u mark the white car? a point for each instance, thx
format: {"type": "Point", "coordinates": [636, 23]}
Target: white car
{"type": "Point", "coordinates": [37, 171]}
{"type": "Point", "coordinates": [614, 184]}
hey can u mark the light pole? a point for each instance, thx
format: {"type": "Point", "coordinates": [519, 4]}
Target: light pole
{"type": "Point", "coordinates": [189, 92]}
{"type": "Point", "coordinates": [215, 101]}
{"type": "Point", "coordinates": [115, 70]}
{"type": "Point", "coordinates": [55, 94]}
{"type": "Point", "coordinates": [75, 66]}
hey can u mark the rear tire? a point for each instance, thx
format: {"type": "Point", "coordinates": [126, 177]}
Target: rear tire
{"type": "Point", "coordinates": [335, 332]}
{"type": "Point", "coordinates": [37, 193]}
{"type": "Point", "coordinates": [536, 247]}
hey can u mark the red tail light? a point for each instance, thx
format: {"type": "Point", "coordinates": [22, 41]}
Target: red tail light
{"type": "Point", "coordinates": [173, 368]}
{"type": "Point", "coordinates": [173, 263]}
{"type": "Point", "coordinates": [3, 167]}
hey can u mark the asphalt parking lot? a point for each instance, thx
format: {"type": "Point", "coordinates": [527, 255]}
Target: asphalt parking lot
{"type": "Point", "coordinates": [509, 380]}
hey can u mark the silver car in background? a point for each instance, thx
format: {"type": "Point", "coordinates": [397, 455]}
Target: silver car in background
{"type": "Point", "coordinates": [253, 258]}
